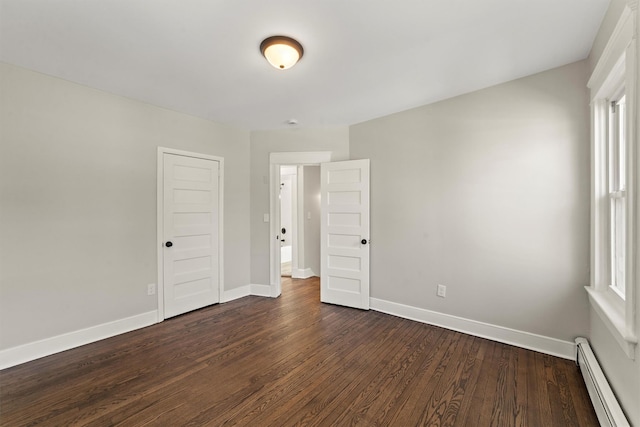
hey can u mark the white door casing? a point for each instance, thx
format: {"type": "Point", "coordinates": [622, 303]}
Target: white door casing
{"type": "Point", "coordinates": [345, 233]}
{"type": "Point", "coordinates": [190, 217]}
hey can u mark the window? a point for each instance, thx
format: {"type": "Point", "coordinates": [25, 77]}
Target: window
{"type": "Point", "coordinates": [615, 220]}
{"type": "Point", "coordinates": [616, 152]}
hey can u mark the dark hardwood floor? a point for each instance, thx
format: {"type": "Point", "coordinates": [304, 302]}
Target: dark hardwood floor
{"type": "Point", "coordinates": [294, 361]}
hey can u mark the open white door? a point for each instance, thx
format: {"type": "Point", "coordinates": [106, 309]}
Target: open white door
{"type": "Point", "coordinates": [344, 233]}
{"type": "Point", "coordinates": [190, 233]}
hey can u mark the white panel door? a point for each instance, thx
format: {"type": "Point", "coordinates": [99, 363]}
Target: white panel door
{"type": "Point", "coordinates": [345, 233]}
{"type": "Point", "coordinates": [190, 233]}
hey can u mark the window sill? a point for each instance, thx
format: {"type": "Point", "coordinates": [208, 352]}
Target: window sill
{"type": "Point", "coordinates": [613, 317]}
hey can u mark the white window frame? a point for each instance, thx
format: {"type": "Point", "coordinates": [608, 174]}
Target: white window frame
{"type": "Point", "coordinates": [616, 69]}
{"type": "Point", "coordinates": [617, 191]}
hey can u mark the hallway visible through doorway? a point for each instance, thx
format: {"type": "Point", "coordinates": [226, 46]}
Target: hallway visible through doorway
{"type": "Point", "coordinates": [299, 198]}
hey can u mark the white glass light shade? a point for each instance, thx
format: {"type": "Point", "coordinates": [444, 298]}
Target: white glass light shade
{"type": "Point", "coordinates": [281, 52]}
{"type": "Point", "coordinates": [281, 56]}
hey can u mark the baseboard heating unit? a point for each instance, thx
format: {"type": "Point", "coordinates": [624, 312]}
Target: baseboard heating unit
{"type": "Point", "coordinates": [604, 401]}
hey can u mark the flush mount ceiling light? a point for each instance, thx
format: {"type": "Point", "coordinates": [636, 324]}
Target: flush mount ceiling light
{"type": "Point", "coordinates": [282, 52]}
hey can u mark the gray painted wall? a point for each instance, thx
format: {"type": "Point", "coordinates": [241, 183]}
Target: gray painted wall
{"type": "Point", "coordinates": [488, 194]}
{"type": "Point", "coordinates": [78, 203]}
{"type": "Point", "coordinates": [623, 373]}
{"type": "Point", "coordinates": [263, 143]}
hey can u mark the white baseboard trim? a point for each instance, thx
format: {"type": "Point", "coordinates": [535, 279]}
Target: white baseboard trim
{"type": "Point", "coordinates": [540, 343]}
{"type": "Point", "coordinates": [261, 290]}
{"type": "Point", "coordinates": [231, 294]}
{"type": "Point", "coordinates": [48, 346]}
{"type": "Point", "coordinates": [245, 291]}
{"type": "Point", "coordinates": [302, 273]}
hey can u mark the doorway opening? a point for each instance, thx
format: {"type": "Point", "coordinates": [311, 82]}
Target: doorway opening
{"type": "Point", "coordinates": [303, 169]}
{"type": "Point", "coordinates": [288, 218]}
{"type": "Point", "coordinates": [299, 221]}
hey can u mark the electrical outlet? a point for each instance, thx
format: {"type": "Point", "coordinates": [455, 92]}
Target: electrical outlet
{"type": "Point", "coordinates": [151, 289]}
{"type": "Point", "coordinates": [442, 291]}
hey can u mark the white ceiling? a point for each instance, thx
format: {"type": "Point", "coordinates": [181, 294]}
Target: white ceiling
{"type": "Point", "coordinates": [363, 58]}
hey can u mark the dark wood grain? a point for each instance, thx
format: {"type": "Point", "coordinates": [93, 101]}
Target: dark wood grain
{"type": "Point", "coordinates": [294, 361]}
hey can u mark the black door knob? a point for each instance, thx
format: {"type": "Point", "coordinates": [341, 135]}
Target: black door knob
{"type": "Point", "coordinates": [168, 244]}
{"type": "Point", "coordinates": [363, 241]}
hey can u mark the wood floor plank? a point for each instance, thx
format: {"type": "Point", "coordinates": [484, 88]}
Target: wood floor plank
{"type": "Point", "coordinates": [315, 396]}
{"type": "Point", "coordinates": [407, 383]}
{"type": "Point", "coordinates": [444, 401]}
{"type": "Point", "coordinates": [469, 381]}
{"type": "Point", "coordinates": [293, 361]}
{"type": "Point", "coordinates": [476, 398]}
{"type": "Point", "coordinates": [371, 361]}
{"type": "Point", "coordinates": [424, 409]}
{"type": "Point", "coordinates": [288, 393]}
{"type": "Point", "coordinates": [361, 404]}
{"type": "Point", "coordinates": [451, 404]}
